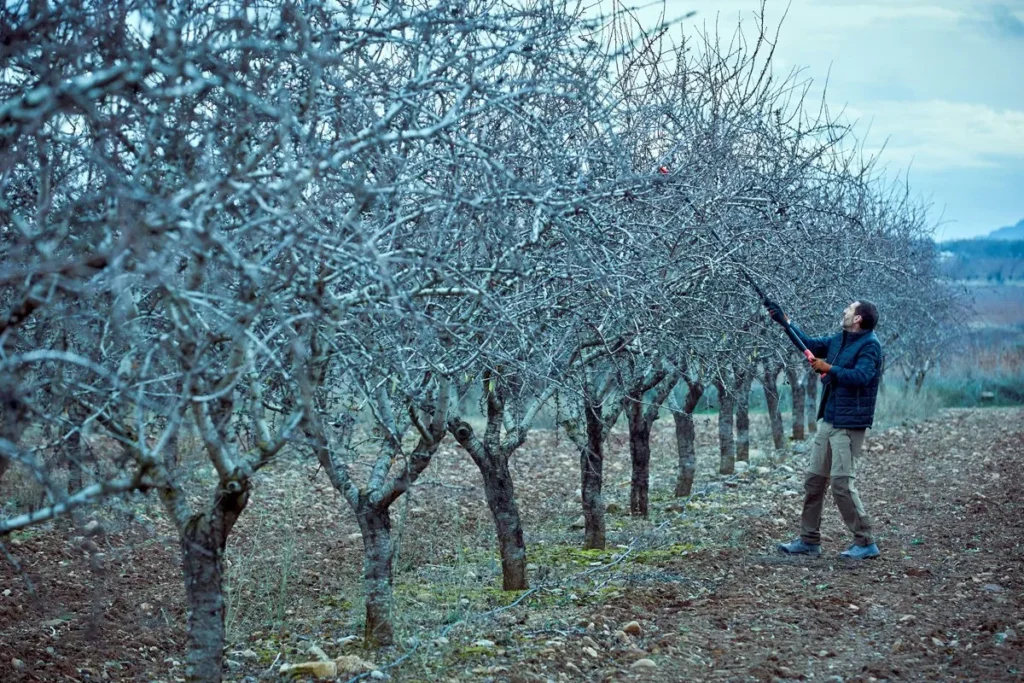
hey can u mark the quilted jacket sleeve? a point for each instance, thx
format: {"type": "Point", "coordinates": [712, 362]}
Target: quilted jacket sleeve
{"type": "Point", "coordinates": [864, 370]}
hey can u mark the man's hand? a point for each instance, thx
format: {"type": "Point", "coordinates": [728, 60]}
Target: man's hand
{"type": "Point", "coordinates": [820, 366]}
{"type": "Point", "coordinates": [775, 311]}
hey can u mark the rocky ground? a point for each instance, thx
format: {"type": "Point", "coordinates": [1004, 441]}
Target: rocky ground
{"type": "Point", "coordinates": [695, 593]}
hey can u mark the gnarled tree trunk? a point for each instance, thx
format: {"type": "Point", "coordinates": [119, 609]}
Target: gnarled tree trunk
{"type": "Point", "coordinates": [726, 441]}
{"type": "Point", "coordinates": [378, 553]}
{"type": "Point", "coordinates": [502, 502]}
{"type": "Point", "coordinates": [372, 502]}
{"type": "Point", "coordinates": [492, 461]}
{"type": "Point", "coordinates": [685, 439]}
{"type": "Point", "coordinates": [744, 378]}
{"type": "Point", "coordinates": [203, 541]}
{"type": "Point", "coordinates": [771, 394]}
{"type": "Point", "coordinates": [797, 379]}
{"type": "Point", "coordinates": [643, 403]}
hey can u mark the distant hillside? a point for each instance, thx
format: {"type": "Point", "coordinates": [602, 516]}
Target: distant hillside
{"type": "Point", "coordinates": [1012, 232]}
{"type": "Point", "coordinates": [988, 260]}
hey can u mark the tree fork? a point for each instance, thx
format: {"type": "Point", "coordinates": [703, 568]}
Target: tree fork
{"type": "Point", "coordinates": [499, 491]}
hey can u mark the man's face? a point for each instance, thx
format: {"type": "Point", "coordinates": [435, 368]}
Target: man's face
{"type": "Point", "coordinates": [851, 320]}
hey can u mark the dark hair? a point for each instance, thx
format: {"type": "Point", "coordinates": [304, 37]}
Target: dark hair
{"type": "Point", "coordinates": [868, 313]}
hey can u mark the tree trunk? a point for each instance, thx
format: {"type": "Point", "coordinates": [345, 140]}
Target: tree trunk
{"type": "Point", "coordinates": [592, 474]}
{"type": "Point", "coordinates": [726, 442]}
{"type": "Point", "coordinates": [492, 461]}
{"type": "Point", "coordinates": [76, 452]}
{"type": "Point", "coordinates": [171, 456]}
{"type": "Point", "coordinates": [502, 501]}
{"type": "Point", "coordinates": [13, 418]}
{"type": "Point", "coordinates": [771, 395]}
{"type": "Point", "coordinates": [203, 540]}
{"type": "Point", "coordinates": [919, 378]}
{"type": "Point", "coordinates": [74, 456]}
{"type": "Point", "coordinates": [685, 437]}
{"type": "Point", "coordinates": [640, 455]}
{"type": "Point", "coordinates": [742, 402]}
{"type": "Point", "coordinates": [797, 380]}
{"type": "Point", "coordinates": [812, 400]}
{"type": "Point", "coordinates": [378, 553]}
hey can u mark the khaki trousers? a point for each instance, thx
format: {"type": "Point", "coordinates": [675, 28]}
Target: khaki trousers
{"type": "Point", "coordinates": [834, 456]}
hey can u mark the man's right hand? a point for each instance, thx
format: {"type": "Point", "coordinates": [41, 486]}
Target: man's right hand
{"type": "Point", "coordinates": [776, 313]}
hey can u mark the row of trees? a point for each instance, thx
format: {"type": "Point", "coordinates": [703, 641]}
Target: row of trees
{"type": "Point", "coordinates": [304, 227]}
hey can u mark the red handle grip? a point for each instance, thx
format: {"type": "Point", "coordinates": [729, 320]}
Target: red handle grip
{"type": "Point", "coordinates": [810, 359]}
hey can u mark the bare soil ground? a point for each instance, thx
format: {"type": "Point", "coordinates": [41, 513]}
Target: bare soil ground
{"type": "Point", "coordinates": [711, 597]}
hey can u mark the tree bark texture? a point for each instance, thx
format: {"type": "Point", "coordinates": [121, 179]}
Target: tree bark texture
{"type": "Point", "coordinates": [642, 407]}
{"type": "Point", "coordinates": [640, 455]}
{"type": "Point", "coordinates": [686, 439]}
{"type": "Point", "coordinates": [492, 461]}
{"type": "Point", "coordinates": [812, 400]}
{"type": "Point", "coordinates": [797, 383]}
{"type": "Point", "coordinates": [726, 440]}
{"type": "Point", "coordinates": [771, 395]}
{"type": "Point", "coordinates": [685, 436]}
{"type": "Point", "coordinates": [502, 501]}
{"type": "Point", "coordinates": [378, 554]}
{"type": "Point", "coordinates": [592, 477]}
{"type": "Point", "coordinates": [203, 540]}
{"type": "Point", "coordinates": [742, 404]}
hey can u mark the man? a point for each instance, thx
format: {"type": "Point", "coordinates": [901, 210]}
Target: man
{"type": "Point", "coordinates": [850, 363]}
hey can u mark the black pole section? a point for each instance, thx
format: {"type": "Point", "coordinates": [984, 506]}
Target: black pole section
{"type": "Point", "coordinates": [797, 342]}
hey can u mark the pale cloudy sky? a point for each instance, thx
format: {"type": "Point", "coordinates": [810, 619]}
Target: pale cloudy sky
{"type": "Point", "coordinates": [940, 82]}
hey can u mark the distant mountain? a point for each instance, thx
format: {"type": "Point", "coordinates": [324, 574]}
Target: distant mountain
{"type": "Point", "coordinates": [1012, 232]}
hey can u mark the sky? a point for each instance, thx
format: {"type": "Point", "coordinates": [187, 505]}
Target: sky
{"type": "Point", "coordinates": [938, 83]}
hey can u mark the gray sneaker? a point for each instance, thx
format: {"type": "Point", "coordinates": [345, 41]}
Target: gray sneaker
{"type": "Point", "coordinates": [798, 547]}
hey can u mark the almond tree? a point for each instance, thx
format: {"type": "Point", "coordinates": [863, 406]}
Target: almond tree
{"type": "Point", "coordinates": [219, 195]}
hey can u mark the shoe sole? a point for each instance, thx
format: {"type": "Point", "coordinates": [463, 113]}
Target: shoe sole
{"type": "Point", "coordinates": [808, 553]}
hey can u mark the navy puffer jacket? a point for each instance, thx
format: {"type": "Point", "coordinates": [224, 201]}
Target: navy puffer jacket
{"type": "Point", "coordinates": [851, 386]}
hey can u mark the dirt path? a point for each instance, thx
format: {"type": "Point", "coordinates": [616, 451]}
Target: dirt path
{"type": "Point", "coordinates": [711, 598]}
